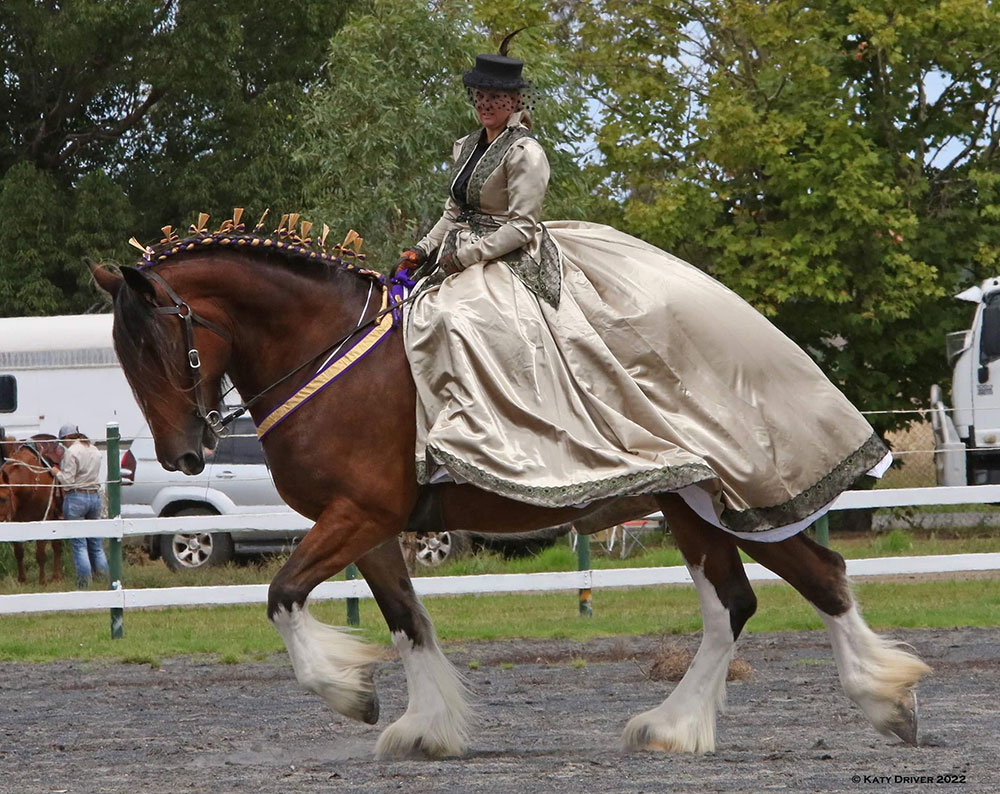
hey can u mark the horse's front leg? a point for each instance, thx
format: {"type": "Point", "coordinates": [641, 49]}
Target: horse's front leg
{"type": "Point", "coordinates": [436, 720]}
{"type": "Point", "coordinates": [328, 661]}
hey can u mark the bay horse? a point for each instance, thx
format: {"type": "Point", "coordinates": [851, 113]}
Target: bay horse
{"type": "Point", "coordinates": [28, 492]}
{"type": "Point", "coordinates": [254, 307]}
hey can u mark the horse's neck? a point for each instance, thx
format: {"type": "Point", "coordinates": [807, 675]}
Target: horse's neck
{"type": "Point", "coordinates": [284, 321]}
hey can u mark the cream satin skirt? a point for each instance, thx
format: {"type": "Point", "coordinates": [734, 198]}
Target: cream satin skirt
{"type": "Point", "coordinates": [650, 377]}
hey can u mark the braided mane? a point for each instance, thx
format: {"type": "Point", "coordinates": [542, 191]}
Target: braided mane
{"type": "Point", "coordinates": [291, 240]}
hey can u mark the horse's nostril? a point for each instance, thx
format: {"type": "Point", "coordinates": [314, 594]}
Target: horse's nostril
{"type": "Point", "coordinates": [190, 463]}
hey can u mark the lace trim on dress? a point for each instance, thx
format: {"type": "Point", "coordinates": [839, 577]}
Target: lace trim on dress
{"type": "Point", "coordinates": [669, 478]}
{"type": "Point", "coordinates": [666, 478]}
{"type": "Point", "coordinates": [812, 499]}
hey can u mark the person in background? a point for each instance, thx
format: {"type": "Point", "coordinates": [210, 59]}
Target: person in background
{"type": "Point", "coordinates": [80, 477]}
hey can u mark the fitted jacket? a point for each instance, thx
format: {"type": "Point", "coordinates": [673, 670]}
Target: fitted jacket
{"type": "Point", "coordinates": [501, 217]}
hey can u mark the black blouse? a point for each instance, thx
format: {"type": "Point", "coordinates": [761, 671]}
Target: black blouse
{"type": "Point", "coordinates": [461, 188]}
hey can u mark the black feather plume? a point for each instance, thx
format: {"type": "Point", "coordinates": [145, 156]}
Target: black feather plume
{"type": "Point", "coordinates": [505, 44]}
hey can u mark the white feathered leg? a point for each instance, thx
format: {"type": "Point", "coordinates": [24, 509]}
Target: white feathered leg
{"type": "Point", "coordinates": [436, 721]}
{"type": "Point", "coordinates": [330, 662]}
{"type": "Point", "coordinates": [685, 721]}
{"type": "Point", "coordinates": [876, 673]}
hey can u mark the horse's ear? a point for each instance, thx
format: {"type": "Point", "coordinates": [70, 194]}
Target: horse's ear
{"type": "Point", "coordinates": [107, 280]}
{"type": "Point", "coordinates": [139, 283]}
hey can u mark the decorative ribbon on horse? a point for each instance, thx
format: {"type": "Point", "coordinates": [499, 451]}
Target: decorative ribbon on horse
{"type": "Point", "coordinates": [334, 369]}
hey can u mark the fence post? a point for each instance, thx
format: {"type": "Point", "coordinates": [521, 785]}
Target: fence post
{"type": "Point", "coordinates": [583, 564]}
{"type": "Point", "coordinates": [114, 510]}
{"type": "Point", "coordinates": [353, 613]}
{"type": "Point", "coordinates": [823, 530]}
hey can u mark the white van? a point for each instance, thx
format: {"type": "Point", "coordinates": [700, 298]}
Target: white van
{"type": "Point", "coordinates": [63, 370]}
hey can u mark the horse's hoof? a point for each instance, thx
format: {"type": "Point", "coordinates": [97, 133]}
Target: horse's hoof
{"type": "Point", "coordinates": [370, 714]}
{"type": "Point", "coordinates": [904, 723]}
{"type": "Point", "coordinates": [653, 731]}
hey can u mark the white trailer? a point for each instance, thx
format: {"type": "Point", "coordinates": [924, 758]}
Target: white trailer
{"type": "Point", "coordinates": [61, 370]}
{"type": "Point", "coordinates": [967, 437]}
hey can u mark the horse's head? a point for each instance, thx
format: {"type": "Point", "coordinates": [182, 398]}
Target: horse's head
{"type": "Point", "coordinates": [174, 366]}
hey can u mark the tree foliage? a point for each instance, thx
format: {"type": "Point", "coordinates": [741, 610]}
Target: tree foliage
{"type": "Point", "coordinates": [378, 134]}
{"type": "Point", "coordinates": [835, 164]}
{"type": "Point", "coordinates": [119, 117]}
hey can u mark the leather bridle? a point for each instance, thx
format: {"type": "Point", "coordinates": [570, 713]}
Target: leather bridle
{"type": "Point", "coordinates": [215, 421]}
{"type": "Point", "coordinates": [188, 318]}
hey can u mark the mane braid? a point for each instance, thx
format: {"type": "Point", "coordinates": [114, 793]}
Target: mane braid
{"type": "Point", "coordinates": [290, 246]}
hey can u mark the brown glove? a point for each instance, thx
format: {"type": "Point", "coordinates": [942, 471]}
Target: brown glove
{"type": "Point", "coordinates": [409, 260]}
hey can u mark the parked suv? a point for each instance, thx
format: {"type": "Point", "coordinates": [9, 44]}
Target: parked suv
{"type": "Point", "coordinates": [235, 480]}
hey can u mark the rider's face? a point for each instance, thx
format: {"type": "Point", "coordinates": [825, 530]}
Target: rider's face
{"type": "Point", "coordinates": [494, 107]}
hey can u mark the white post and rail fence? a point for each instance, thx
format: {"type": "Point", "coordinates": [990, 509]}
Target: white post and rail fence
{"type": "Point", "coordinates": [118, 597]}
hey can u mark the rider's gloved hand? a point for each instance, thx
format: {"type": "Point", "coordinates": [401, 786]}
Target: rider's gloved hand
{"type": "Point", "coordinates": [409, 261]}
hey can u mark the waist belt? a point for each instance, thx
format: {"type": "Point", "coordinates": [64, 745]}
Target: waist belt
{"type": "Point", "coordinates": [479, 222]}
{"type": "Point", "coordinates": [82, 490]}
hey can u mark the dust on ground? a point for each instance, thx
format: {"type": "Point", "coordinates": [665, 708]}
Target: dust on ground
{"type": "Point", "coordinates": [550, 713]}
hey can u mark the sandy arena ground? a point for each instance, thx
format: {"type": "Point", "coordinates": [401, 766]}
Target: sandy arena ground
{"type": "Point", "coordinates": [546, 724]}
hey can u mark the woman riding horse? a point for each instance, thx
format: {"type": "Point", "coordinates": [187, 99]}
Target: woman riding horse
{"type": "Point", "coordinates": [558, 369]}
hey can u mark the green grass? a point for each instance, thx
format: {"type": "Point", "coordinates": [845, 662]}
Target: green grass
{"type": "Point", "coordinates": [234, 634]}
{"type": "Point", "coordinates": [140, 572]}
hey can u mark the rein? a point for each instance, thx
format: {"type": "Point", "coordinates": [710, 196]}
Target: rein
{"type": "Point", "coordinates": [329, 370]}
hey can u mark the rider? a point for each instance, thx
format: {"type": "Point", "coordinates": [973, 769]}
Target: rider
{"type": "Point", "coordinates": [563, 362]}
{"type": "Point", "coordinates": [80, 476]}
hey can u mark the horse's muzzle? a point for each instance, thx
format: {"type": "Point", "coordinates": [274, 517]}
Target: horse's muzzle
{"type": "Point", "coordinates": [190, 463]}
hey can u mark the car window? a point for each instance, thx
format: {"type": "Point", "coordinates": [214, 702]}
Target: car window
{"type": "Point", "coordinates": [241, 446]}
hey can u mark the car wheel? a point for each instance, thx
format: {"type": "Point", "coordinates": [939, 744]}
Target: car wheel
{"type": "Point", "coordinates": [186, 551]}
{"type": "Point", "coordinates": [435, 548]}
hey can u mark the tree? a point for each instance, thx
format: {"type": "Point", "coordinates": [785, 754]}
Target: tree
{"type": "Point", "coordinates": [119, 118]}
{"type": "Point", "coordinates": [378, 132]}
{"type": "Point", "coordinates": [836, 165]}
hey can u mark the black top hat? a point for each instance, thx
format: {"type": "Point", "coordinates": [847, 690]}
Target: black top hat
{"type": "Point", "coordinates": [497, 72]}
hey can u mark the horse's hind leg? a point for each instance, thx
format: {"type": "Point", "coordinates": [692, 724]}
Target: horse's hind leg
{"type": "Point", "coordinates": [685, 721]}
{"type": "Point", "coordinates": [876, 673]}
{"type": "Point", "coordinates": [22, 576]}
{"type": "Point", "coordinates": [40, 557]}
{"type": "Point", "coordinates": [57, 547]}
{"type": "Point", "coordinates": [436, 720]}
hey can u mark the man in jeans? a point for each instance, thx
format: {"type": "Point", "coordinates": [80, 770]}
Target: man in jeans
{"type": "Point", "coordinates": [80, 477]}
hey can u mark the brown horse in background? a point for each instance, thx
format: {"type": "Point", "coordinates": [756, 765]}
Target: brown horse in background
{"type": "Point", "coordinates": [234, 304]}
{"type": "Point", "coordinates": [28, 492]}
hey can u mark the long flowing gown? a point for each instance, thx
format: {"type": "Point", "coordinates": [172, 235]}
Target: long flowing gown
{"type": "Point", "coordinates": [645, 375]}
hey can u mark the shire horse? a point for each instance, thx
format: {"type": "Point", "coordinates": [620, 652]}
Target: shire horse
{"type": "Point", "coordinates": [28, 492]}
{"type": "Point", "coordinates": [253, 306]}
